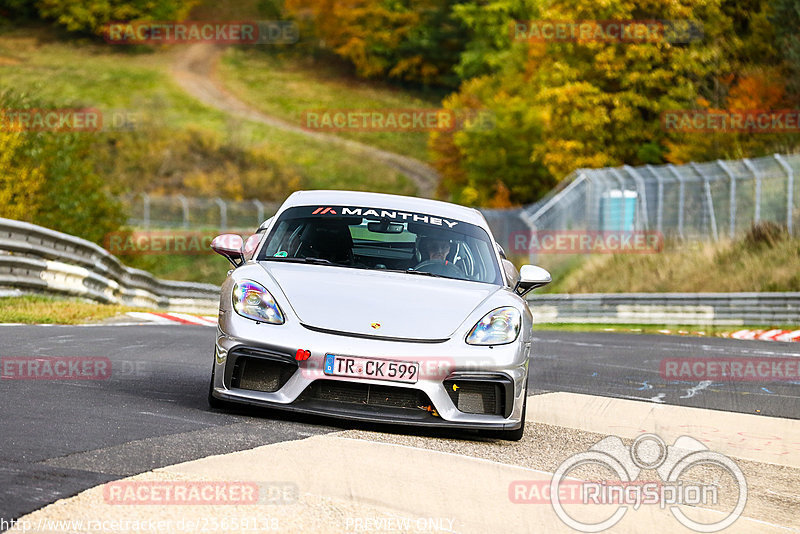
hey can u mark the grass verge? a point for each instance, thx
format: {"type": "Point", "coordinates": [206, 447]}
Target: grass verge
{"type": "Point", "coordinates": [40, 309]}
{"type": "Point", "coordinates": [765, 259]}
{"type": "Point", "coordinates": [285, 86]}
{"type": "Point", "coordinates": [683, 330]}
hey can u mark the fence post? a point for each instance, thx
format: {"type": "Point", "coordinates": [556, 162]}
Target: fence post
{"type": "Point", "coordinates": [681, 195]}
{"type": "Point", "coordinates": [789, 190]}
{"type": "Point", "coordinates": [184, 209]}
{"type": "Point", "coordinates": [732, 222]}
{"type": "Point", "coordinates": [223, 213]}
{"type": "Point", "coordinates": [530, 220]}
{"type": "Point", "coordinates": [643, 195]}
{"type": "Point", "coordinates": [615, 173]}
{"type": "Point", "coordinates": [660, 204]}
{"type": "Point", "coordinates": [146, 210]}
{"type": "Point", "coordinates": [757, 176]}
{"type": "Point", "coordinates": [709, 200]}
{"type": "Point", "coordinates": [260, 208]}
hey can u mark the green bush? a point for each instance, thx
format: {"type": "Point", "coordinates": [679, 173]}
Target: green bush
{"type": "Point", "coordinates": [90, 15]}
{"type": "Point", "coordinates": [47, 178]}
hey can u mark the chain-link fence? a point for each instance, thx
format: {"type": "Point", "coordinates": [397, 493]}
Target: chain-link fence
{"type": "Point", "coordinates": [149, 211]}
{"type": "Point", "coordinates": [696, 201]}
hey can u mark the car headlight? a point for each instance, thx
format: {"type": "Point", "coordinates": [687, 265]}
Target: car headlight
{"type": "Point", "coordinates": [251, 300]}
{"type": "Point", "coordinates": [497, 327]}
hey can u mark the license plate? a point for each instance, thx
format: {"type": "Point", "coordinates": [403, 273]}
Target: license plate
{"type": "Point", "coordinates": [394, 371]}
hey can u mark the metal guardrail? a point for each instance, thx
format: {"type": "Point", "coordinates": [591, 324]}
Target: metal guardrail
{"type": "Point", "coordinates": [39, 259]}
{"type": "Point", "coordinates": [709, 309]}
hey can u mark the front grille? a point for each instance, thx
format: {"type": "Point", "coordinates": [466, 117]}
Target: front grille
{"type": "Point", "coordinates": [477, 397]}
{"type": "Point", "coordinates": [259, 374]}
{"type": "Point", "coordinates": [365, 394]}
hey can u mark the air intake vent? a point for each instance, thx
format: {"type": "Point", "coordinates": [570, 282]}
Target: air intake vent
{"type": "Point", "coordinates": [259, 374]}
{"type": "Point", "coordinates": [485, 397]}
{"type": "Point", "coordinates": [366, 394]}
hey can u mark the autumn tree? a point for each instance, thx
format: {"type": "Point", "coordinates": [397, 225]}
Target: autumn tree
{"type": "Point", "coordinates": [415, 40]}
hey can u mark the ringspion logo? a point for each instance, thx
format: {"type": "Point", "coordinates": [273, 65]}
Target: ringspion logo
{"type": "Point", "coordinates": [678, 466]}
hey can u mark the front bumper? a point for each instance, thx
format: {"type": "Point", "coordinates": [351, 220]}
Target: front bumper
{"type": "Point", "coordinates": [303, 387]}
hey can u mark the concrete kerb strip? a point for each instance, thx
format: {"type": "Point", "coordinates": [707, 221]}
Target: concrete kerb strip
{"type": "Point", "coordinates": [749, 437]}
{"type": "Point", "coordinates": [346, 484]}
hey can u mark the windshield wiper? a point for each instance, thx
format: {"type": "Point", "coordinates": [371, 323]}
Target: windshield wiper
{"type": "Point", "coordinates": [314, 261]}
{"type": "Point", "coordinates": [412, 271]}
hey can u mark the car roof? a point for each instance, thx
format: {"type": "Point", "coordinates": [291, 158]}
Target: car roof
{"type": "Point", "coordinates": [330, 197]}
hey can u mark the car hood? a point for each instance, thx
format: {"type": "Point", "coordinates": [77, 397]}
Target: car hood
{"type": "Point", "coordinates": [376, 303]}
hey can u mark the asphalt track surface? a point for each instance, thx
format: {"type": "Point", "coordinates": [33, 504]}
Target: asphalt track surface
{"type": "Point", "coordinates": [61, 437]}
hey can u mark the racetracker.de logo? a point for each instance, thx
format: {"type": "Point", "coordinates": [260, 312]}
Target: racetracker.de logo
{"type": "Point", "coordinates": [158, 242]}
{"type": "Point", "coordinates": [586, 242]}
{"type": "Point", "coordinates": [608, 31]}
{"type": "Point", "coordinates": [55, 368]}
{"type": "Point", "coordinates": [731, 121]}
{"type": "Point", "coordinates": [398, 120]}
{"type": "Point", "coordinates": [731, 369]}
{"type": "Point", "coordinates": [51, 120]}
{"type": "Point", "coordinates": [187, 32]}
{"type": "Point", "coordinates": [192, 492]}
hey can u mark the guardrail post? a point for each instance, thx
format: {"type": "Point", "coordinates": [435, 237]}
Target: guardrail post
{"type": "Point", "coordinates": [184, 209]}
{"type": "Point", "coordinates": [732, 208]}
{"type": "Point", "coordinates": [757, 176]}
{"type": "Point", "coordinates": [260, 208]}
{"type": "Point", "coordinates": [709, 200]}
{"type": "Point", "coordinates": [681, 195]}
{"type": "Point", "coordinates": [789, 190]}
{"type": "Point", "coordinates": [223, 213]}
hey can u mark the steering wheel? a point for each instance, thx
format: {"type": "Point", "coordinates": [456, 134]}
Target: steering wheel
{"type": "Point", "coordinates": [439, 267]}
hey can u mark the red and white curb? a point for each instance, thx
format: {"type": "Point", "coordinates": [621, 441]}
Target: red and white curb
{"type": "Point", "coordinates": [767, 335]}
{"type": "Point", "coordinates": [174, 318]}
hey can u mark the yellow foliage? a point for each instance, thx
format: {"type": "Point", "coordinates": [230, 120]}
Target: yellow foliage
{"type": "Point", "coordinates": [20, 182]}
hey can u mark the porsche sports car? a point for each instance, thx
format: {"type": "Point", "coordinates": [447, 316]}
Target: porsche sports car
{"type": "Point", "coordinates": [376, 307]}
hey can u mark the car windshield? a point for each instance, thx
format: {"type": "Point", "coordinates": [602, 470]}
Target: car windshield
{"type": "Point", "coordinates": [382, 239]}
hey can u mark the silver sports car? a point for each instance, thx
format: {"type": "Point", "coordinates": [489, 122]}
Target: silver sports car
{"type": "Point", "coordinates": [376, 307]}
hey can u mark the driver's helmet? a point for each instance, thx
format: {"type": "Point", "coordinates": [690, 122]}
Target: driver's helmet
{"type": "Point", "coordinates": [434, 248]}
